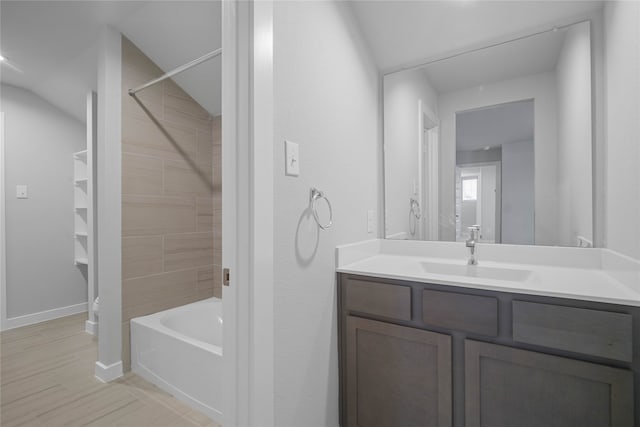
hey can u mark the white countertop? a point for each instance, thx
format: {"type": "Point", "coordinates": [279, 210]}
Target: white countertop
{"type": "Point", "coordinates": [576, 273]}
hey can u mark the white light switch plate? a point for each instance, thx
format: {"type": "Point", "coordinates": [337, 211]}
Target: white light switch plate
{"type": "Point", "coordinates": [292, 158]}
{"type": "Point", "coordinates": [371, 221]}
{"type": "Point", "coordinates": [21, 192]}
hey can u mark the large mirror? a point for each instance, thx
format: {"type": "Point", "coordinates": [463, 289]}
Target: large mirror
{"type": "Point", "coordinates": [497, 137]}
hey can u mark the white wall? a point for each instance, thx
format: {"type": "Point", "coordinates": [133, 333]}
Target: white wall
{"type": "Point", "coordinates": [109, 203]}
{"type": "Point", "coordinates": [327, 100]}
{"type": "Point", "coordinates": [622, 129]}
{"type": "Point", "coordinates": [575, 189]}
{"type": "Point", "coordinates": [40, 141]}
{"type": "Point", "coordinates": [402, 91]}
{"type": "Point", "coordinates": [540, 88]}
{"type": "Point", "coordinates": [518, 205]}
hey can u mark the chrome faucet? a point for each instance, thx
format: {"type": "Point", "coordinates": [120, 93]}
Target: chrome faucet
{"type": "Point", "coordinates": [474, 231]}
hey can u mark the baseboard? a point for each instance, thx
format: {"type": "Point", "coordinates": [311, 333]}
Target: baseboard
{"type": "Point", "coordinates": [91, 327]}
{"type": "Point", "coordinates": [43, 316]}
{"type": "Point", "coordinates": [108, 373]}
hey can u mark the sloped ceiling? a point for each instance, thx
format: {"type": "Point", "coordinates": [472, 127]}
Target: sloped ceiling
{"type": "Point", "coordinates": [51, 45]}
{"type": "Point", "coordinates": [404, 33]}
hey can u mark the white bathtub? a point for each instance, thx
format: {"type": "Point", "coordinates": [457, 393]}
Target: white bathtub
{"type": "Point", "coordinates": [180, 351]}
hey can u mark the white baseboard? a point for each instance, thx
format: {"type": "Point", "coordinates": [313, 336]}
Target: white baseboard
{"type": "Point", "coordinates": [108, 373]}
{"type": "Point", "coordinates": [43, 316]}
{"type": "Point", "coordinates": [91, 327]}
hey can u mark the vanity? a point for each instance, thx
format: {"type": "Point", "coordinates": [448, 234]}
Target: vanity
{"type": "Point", "coordinates": [545, 337]}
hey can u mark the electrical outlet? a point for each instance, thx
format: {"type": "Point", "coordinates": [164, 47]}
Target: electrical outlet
{"type": "Point", "coordinates": [21, 192]}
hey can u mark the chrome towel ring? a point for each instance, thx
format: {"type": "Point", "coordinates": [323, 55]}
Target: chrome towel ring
{"type": "Point", "coordinates": [313, 198]}
{"type": "Point", "coordinates": [414, 207]}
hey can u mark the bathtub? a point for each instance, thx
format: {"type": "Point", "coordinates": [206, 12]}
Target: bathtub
{"type": "Point", "coordinates": [180, 351]}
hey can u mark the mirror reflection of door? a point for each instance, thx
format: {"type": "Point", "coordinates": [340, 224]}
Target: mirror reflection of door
{"type": "Point", "coordinates": [496, 144]}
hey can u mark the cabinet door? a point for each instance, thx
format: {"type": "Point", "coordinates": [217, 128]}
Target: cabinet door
{"type": "Point", "coordinates": [396, 375]}
{"type": "Point", "coordinates": [507, 387]}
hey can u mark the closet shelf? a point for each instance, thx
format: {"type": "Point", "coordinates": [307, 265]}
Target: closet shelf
{"type": "Point", "coordinates": [81, 234]}
{"type": "Point", "coordinates": [84, 261]}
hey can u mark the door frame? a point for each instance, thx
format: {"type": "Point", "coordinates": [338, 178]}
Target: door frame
{"type": "Point", "coordinates": [247, 212]}
{"type": "Point", "coordinates": [3, 241]}
{"type": "Point", "coordinates": [428, 181]}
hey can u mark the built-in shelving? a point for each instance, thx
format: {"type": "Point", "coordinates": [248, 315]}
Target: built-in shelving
{"type": "Point", "coordinates": [80, 179]}
{"type": "Point", "coordinates": [84, 211]}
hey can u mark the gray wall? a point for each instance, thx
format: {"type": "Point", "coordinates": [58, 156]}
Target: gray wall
{"type": "Point", "coordinates": [40, 141]}
{"type": "Point", "coordinates": [518, 202]}
{"type": "Point", "coordinates": [332, 112]}
{"type": "Point", "coordinates": [575, 178]}
{"type": "Point", "coordinates": [622, 110]}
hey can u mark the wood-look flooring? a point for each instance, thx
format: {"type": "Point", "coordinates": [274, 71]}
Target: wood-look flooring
{"type": "Point", "coordinates": [46, 379]}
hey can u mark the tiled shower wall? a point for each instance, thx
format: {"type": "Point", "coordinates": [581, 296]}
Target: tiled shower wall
{"type": "Point", "coordinates": [171, 196]}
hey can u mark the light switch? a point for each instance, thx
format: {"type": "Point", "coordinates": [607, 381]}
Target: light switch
{"type": "Point", "coordinates": [21, 192]}
{"type": "Point", "coordinates": [292, 158]}
{"type": "Point", "coordinates": [371, 221]}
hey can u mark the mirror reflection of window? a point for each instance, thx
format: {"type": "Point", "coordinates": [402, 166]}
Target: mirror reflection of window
{"type": "Point", "coordinates": [470, 189]}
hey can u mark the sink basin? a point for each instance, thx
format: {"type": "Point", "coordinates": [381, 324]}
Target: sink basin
{"type": "Point", "coordinates": [476, 271]}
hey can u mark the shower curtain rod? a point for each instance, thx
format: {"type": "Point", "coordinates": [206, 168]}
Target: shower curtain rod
{"type": "Point", "coordinates": [177, 70]}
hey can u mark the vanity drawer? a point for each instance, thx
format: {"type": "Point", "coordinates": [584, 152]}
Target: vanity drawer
{"type": "Point", "coordinates": [593, 332]}
{"type": "Point", "coordinates": [379, 299]}
{"type": "Point", "coordinates": [469, 313]}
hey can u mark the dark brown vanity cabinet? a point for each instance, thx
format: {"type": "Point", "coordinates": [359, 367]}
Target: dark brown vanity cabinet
{"type": "Point", "coordinates": [416, 354]}
{"type": "Point", "coordinates": [508, 387]}
{"type": "Point", "coordinates": [396, 376]}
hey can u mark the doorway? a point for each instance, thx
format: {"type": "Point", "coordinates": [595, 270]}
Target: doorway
{"type": "Point", "coordinates": [478, 201]}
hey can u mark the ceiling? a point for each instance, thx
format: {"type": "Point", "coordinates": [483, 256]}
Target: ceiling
{"type": "Point", "coordinates": [406, 33]}
{"type": "Point", "coordinates": [52, 45]}
{"type": "Point", "coordinates": [494, 126]}
{"type": "Point", "coordinates": [523, 57]}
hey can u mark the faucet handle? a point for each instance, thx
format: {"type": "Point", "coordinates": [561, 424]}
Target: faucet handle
{"type": "Point", "coordinates": [474, 231]}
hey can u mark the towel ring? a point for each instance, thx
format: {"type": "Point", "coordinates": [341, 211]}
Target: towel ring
{"type": "Point", "coordinates": [315, 196]}
{"type": "Point", "coordinates": [415, 208]}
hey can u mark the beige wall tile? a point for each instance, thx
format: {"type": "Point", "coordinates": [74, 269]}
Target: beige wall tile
{"type": "Point", "coordinates": [141, 175]}
{"type": "Point", "coordinates": [204, 212]}
{"type": "Point", "coordinates": [182, 251]}
{"type": "Point", "coordinates": [172, 142]}
{"type": "Point", "coordinates": [217, 130]}
{"type": "Point", "coordinates": [137, 69]}
{"type": "Point", "coordinates": [205, 145]}
{"type": "Point", "coordinates": [182, 178]}
{"type": "Point", "coordinates": [172, 88]}
{"type": "Point", "coordinates": [149, 294]}
{"type": "Point", "coordinates": [134, 58]}
{"type": "Point", "coordinates": [205, 278]}
{"type": "Point", "coordinates": [147, 215]}
{"type": "Point", "coordinates": [186, 106]}
{"type": "Point", "coordinates": [174, 115]}
{"type": "Point", "coordinates": [206, 282]}
{"type": "Point", "coordinates": [171, 204]}
{"type": "Point", "coordinates": [217, 166]}
{"type": "Point", "coordinates": [142, 256]}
